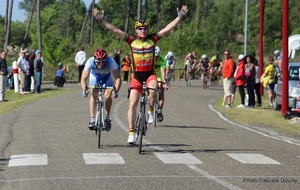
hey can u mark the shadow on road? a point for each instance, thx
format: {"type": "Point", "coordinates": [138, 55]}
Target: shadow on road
{"type": "Point", "coordinates": [149, 151]}
{"type": "Point", "coordinates": [191, 127]}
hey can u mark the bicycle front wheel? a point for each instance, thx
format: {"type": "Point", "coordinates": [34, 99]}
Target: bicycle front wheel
{"type": "Point", "coordinates": [142, 127]}
{"type": "Point", "coordinates": [100, 126]}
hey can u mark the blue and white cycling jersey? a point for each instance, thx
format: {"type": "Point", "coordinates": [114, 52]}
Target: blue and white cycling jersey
{"type": "Point", "coordinates": [104, 74]}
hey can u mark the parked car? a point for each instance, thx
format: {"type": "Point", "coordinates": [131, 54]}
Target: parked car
{"type": "Point", "coordinates": [293, 86]}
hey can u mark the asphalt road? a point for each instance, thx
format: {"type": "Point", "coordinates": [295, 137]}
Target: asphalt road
{"type": "Point", "coordinates": [46, 145]}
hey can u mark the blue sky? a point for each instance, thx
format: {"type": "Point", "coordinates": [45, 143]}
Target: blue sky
{"type": "Point", "coordinates": [18, 14]}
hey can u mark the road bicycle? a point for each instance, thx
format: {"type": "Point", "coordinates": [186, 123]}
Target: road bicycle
{"type": "Point", "coordinates": [100, 115]}
{"type": "Point", "coordinates": [169, 78]}
{"type": "Point", "coordinates": [189, 79]}
{"type": "Point", "coordinates": [205, 78]}
{"type": "Point", "coordinates": [156, 103]}
{"type": "Point", "coordinates": [140, 125]}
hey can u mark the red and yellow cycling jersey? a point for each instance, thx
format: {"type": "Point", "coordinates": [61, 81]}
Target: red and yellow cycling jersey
{"type": "Point", "coordinates": [142, 52]}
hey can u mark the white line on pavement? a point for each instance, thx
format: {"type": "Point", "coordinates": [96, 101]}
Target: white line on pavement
{"type": "Point", "coordinates": [115, 115]}
{"type": "Point", "coordinates": [252, 158]}
{"type": "Point", "coordinates": [28, 160]}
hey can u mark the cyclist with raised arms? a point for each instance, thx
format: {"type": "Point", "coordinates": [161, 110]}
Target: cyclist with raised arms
{"type": "Point", "coordinates": [102, 68]}
{"type": "Point", "coordinates": [170, 64]}
{"type": "Point", "coordinates": [160, 70]}
{"type": "Point", "coordinates": [142, 46]}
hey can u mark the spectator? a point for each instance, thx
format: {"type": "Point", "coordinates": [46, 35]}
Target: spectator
{"type": "Point", "coordinates": [31, 70]}
{"type": "Point", "coordinates": [80, 60]}
{"type": "Point", "coordinates": [38, 69]}
{"type": "Point", "coordinates": [60, 80]}
{"type": "Point", "coordinates": [257, 84]}
{"type": "Point", "coordinates": [228, 79]}
{"type": "Point", "coordinates": [126, 67]}
{"type": "Point", "coordinates": [117, 58]}
{"type": "Point", "coordinates": [3, 75]}
{"type": "Point", "coordinates": [24, 70]}
{"type": "Point", "coordinates": [240, 80]}
{"type": "Point", "coordinates": [269, 80]}
{"type": "Point", "coordinates": [27, 76]}
{"type": "Point", "coordinates": [250, 74]}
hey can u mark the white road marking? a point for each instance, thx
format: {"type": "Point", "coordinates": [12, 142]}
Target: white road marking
{"type": "Point", "coordinates": [103, 158]}
{"type": "Point", "coordinates": [205, 174]}
{"type": "Point", "coordinates": [280, 138]}
{"type": "Point", "coordinates": [177, 158]}
{"type": "Point", "coordinates": [253, 159]}
{"type": "Point", "coordinates": [28, 160]}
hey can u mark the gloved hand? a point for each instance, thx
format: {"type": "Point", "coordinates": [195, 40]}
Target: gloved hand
{"type": "Point", "coordinates": [99, 16]}
{"type": "Point", "coordinates": [182, 11]}
{"type": "Point", "coordinates": [85, 93]}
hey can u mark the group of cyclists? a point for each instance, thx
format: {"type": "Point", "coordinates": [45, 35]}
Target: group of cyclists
{"type": "Point", "coordinates": [148, 66]}
{"type": "Point", "coordinates": [145, 58]}
{"type": "Point", "coordinates": [206, 69]}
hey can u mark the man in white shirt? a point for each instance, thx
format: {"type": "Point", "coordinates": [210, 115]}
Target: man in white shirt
{"type": "Point", "coordinates": [24, 69]}
{"type": "Point", "coordinates": [80, 60]}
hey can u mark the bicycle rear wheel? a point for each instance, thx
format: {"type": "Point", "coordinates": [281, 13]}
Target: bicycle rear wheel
{"type": "Point", "coordinates": [155, 109]}
{"type": "Point", "coordinates": [137, 129]}
{"type": "Point", "coordinates": [169, 78]}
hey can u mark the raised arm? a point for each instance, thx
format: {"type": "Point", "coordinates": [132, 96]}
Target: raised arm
{"type": "Point", "coordinates": [101, 18]}
{"type": "Point", "coordinates": [165, 31]}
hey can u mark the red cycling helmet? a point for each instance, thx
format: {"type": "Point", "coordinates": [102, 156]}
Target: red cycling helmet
{"type": "Point", "coordinates": [100, 54]}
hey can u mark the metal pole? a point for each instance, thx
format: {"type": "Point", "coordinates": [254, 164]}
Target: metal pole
{"type": "Point", "coordinates": [246, 28]}
{"type": "Point", "coordinates": [285, 24]}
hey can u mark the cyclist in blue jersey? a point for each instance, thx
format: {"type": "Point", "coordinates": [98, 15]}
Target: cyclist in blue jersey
{"type": "Point", "coordinates": [170, 63]}
{"type": "Point", "coordinates": [105, 69]}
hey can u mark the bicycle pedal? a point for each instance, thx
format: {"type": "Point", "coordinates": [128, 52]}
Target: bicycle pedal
{"type": "Point", "coordinates": [91, 128]}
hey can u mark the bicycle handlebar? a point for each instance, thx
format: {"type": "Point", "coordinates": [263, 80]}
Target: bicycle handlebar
{"type": "Point", "coordinates": [101, 87]}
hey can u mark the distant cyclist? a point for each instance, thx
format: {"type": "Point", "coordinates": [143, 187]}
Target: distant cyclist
{"type": "Point", "coordinates": [204, 66]}
{"type": "Point", "coordinates": [215, 68]}
{"type": "Point", "coordinates": [142, 46]}
{"type": "Point", "coordinates": [102, 68]}
{"type": "Point", "coordinates": [170, 63]}
{"type": "Point", "coordinates": [189, 63]}
{"type": "Point", "coordinates": [160, 70]}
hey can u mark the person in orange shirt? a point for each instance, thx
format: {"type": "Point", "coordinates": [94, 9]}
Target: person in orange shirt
{"type": "Point", "coordinates": [228, 79]}
{"type": "Point", "coordinates": [126, 67]}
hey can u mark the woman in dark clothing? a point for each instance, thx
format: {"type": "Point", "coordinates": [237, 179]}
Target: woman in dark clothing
{"type": "Point", "coordinates": [31, 71]}
{"type": "Point", "coordinates": [250, 73]}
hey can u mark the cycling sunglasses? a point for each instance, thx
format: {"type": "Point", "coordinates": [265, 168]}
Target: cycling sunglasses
{"type": "Point", "coordinates": [143, 28]}
{"type": "Point", "coordinates": [100, 61]}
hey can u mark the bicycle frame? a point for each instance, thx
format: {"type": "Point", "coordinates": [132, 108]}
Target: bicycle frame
{"type": "Point", "coordinates": [140, 126]}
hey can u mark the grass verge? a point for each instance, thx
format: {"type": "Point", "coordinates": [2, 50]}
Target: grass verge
{"type": "Point", "coordinates": [264, 118]}
{"type": "Point", "coordinates": [15, 100]}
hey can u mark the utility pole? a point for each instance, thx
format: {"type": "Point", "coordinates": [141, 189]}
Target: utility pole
{"type": "Point", "coordinates": [285, 61]}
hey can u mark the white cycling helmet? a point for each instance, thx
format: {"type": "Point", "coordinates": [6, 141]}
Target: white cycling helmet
{"type": "Point", "coordinates": [204, 56]}
{"type": "Point", "coordinates": [277, 52]}
{"type": "Point", "coordinates": [170, 55]}
{"type": "Point", "coordinates": [157, 51]}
